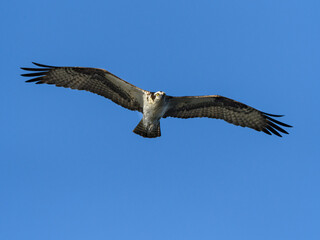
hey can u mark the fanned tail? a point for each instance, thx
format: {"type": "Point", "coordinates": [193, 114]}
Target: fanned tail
{"type": "Point", "coordinates": [144, 131]}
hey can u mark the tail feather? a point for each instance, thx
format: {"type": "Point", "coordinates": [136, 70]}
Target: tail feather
{"type": "Point", "coordinates": [144, 131]}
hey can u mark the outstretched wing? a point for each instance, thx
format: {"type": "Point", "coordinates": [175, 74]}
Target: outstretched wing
{"type": "Point", "coordinates": [94, 80]}
{"type": "Point", "coordinates": [234, 112]}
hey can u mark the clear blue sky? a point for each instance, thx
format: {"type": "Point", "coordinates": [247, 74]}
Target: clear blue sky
{"type": "Point", "coordinates": [70, 166]}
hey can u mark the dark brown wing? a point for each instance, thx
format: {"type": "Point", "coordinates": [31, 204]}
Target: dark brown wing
{"type": "Point", "coordinates": [234, 112]}
{"type": "Point", "coordinates": [94, 80]}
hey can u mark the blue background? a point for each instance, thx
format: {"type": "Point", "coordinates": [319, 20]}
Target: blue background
{"type": "Point", "coordinates": [71, 168]}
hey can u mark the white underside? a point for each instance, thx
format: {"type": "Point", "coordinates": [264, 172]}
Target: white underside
{"type": "Point", "coordinates": [153, 111]}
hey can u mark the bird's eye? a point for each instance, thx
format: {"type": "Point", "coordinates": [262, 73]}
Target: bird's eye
{"type": "Point", "coordinates": [157, 94]}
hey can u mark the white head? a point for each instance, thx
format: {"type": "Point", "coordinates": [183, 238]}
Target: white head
{"type": "Point", "coordinates": [157, 95]}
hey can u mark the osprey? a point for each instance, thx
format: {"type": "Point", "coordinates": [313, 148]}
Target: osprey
{"type": "Point", "coordinates": [155, 105]}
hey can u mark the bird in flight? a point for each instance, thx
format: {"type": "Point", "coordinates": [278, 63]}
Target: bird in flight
{"type": "Point", "coordinates": [155, 105]}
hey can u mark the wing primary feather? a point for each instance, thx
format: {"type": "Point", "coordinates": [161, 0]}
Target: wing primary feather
{"type": "Point", "coordinates": [273, 131]}
{"type": "Point", "coordinates": [42, 65]}
{"type": "Point", "coordinates": [277, 127]}
{"type": "Point", "coordinates": [35, 79]}
{"type": "Point", "coordinates": [272, 115]}
{"type": "Point", "coordinates": [266, 131]}
{"type": "Point", "coordinates": [35, 69]}
{"type": "Point", "coordinates": [278, 122]}
{"type": "Point", "coordinates": [33, 74]}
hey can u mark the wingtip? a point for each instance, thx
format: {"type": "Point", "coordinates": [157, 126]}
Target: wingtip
{"type": "Point", "coordinates": [278, 122]}
{"type": "Point", "coordinates": [272, 127]}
